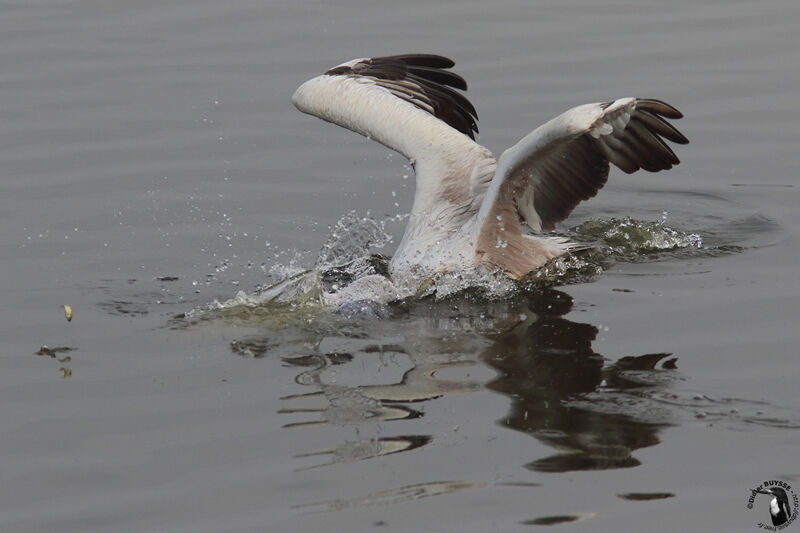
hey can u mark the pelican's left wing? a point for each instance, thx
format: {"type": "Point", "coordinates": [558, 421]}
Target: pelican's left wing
{"type": "Point", "coordinates": [421, 80]}
{"type": "Point", "coordinates": [566, 160]}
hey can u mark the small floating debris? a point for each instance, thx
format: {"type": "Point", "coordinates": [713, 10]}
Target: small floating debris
{"type": "Point", "coordinates": [51, 352]}
{"type": "Point", "coordinates": [67, 372]}
{"type": "Point", "coordinates": [557, 519]}
{"type": "Point", "coordinates": [68, 313]}
{"type": "Point", "coordinates": [645, 496]}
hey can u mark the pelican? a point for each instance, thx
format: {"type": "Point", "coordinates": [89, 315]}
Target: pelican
{"type": "Point", "coordinates": [470, 209]}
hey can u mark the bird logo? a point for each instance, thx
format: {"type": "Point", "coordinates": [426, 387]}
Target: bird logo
{"type": "Point", "coordinates": [779, 505]}
{"type": "Point", "coordinates": [783, 506]}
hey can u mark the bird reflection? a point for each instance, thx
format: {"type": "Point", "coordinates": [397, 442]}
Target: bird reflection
{"type": "Point", "coordinates": [591, 410]}
{"type": "Point", "coordinates": [547, 362]}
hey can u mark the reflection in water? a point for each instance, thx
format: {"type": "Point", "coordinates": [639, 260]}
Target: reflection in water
{"type": "Point", "coordinates": [399, 495]}
{"type": "Point", "coordinates": [351, 452]}
{"type": "Point", "coordinates": [592, 412]}
{"type": "Point", "coordinates": [419, 360]}
{"type": "Point", "coordinates": [545, 363]}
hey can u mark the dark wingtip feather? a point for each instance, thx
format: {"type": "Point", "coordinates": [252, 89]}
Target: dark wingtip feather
{"type": "Point", "coordinates": [437, 75]}
{"type": "Point", "coordinates": [661, 126]}
{"type": "Point", "coordinates": [423, 60]}
{"type": "Point", "coordinates": [428, 70]}
{"type": "Point", "coordinates": [657, 106]}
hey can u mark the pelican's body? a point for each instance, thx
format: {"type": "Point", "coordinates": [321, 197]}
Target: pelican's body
{"type": "Point", "coordinates": [469, 208]}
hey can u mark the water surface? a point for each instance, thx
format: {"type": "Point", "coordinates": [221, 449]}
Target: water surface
{"type": "Point", "coordinates": [153, 165]}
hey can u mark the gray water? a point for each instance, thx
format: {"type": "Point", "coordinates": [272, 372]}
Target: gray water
{"type": "Point", "coordinates": [152, 164]}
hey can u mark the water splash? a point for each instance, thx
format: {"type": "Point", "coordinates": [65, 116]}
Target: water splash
{"type": "Point", "coordinates": [481, 281]}
{"type": "Point", "coordinates": [633, 240]}
{"type": "Point", "coordinates": [350, 241]}
{"type": "Point", "coordinates": [345, 257]}
{"type": "Point", "coordinates": [579, 267]}
{"type": "Point", "coordinates": [348, 256]}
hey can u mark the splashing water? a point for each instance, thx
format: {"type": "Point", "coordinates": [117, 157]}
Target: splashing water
{"type": "Point", "coordinates": [579, 267]}
{"type": "Point", "coordinates": [350, 241]}
{"type": "Point", "coordinates": [344, 258]}
{"type": "Point", "coordinates": [485, 283]}
{"type": "Point", "coordinates": [633, 240]}
{"type": "Point", "coordinates": [347, 257]}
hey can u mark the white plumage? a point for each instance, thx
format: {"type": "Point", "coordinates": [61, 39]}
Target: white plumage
{"type": "Point", "coordinates": [469, 209]}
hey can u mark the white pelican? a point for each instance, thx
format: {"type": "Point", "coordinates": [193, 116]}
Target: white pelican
{"type": "Point", "coordinates": [470, 208]}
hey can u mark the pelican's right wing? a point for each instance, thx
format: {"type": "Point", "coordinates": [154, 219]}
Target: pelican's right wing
{"type": "Point", "coordinates": [566, 160]}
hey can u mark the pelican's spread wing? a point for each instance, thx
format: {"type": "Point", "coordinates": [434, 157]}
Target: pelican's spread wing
{"type": "Point", "coordinates": [541, 179]}
{"type": "Point", "coordinates": [411, 104]}
{"type": "Point", "coordinates": [566, 160]}
{"type": "Point", "coordinates": [420, 79]}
